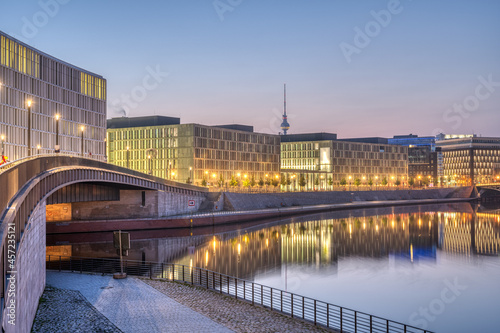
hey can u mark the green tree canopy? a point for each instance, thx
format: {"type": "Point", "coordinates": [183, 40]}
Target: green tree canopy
{"type": "Point", "coordinates": [343, 182]}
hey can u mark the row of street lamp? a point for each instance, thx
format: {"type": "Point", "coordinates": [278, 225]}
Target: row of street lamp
{"type": "Point", "coordinates": [38, 147]}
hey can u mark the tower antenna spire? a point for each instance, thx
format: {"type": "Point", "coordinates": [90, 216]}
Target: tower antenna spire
{"type": "Point", "coordinates": [284, 125]}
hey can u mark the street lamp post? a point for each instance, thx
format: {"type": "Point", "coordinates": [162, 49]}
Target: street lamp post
{"type": "Point", "coordinates": [29, 128]}
{"type": "Point", "coordinates": [150, 166]}
{"type": "Point", "coordinates": [190, 175]}
{"type": "Point", "coordinates": [57, 149]}
{"type": "Point", "coordinates": [350, 182]}
{"type": "Point", "coordinates": [3, 143]}
{"type": "Point", "coordinates": [128, 157]}
{"type": "Point", "coordinates": [38, 149]}
{"type": "Point", "coordinates": [82, 128]}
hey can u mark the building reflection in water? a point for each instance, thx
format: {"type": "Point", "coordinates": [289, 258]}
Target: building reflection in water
{"type": "Point", "coordinates": [318, 243]}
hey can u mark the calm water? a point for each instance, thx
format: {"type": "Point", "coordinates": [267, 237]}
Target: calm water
{"type": "Point", "coordinates": [435, 267]}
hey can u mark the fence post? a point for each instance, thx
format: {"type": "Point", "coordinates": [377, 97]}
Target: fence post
{"type": "Point", "coordinates": [244, 290]}
{"type": "Point", "coordinates": [236, 288]}
{"type": "Point", "coordinates": [327, 314]}
{"type": "Point", "coordinates": [291, 302]}
{"type": "Point", "coordinates": [303, 308]}
{"type": "Point", "coordinates": [262, 295]}
{"type": "Point", "coordinates": [183, 280]}
{"type": "Point", "coordinates": [281, 300]}
{"type": "Point", "coordinates": [314, 312]}
{"type": "Point", "coordinates": [162, 271]}
{"type": "Point", "coordinates": [228, 286]}
{"type": "Point", "coordinates": [371, 324]}
{"type": "Point", "coordinates": [271, 299]}
{"type": "Point", "coordinates": [355, 322]}
{"type": "Point", "coordinates": [220, 281]}
{"type": "Point", "coordinates": [341, 319]}
{"type": "Point", "coordinates": [253, 284]}
{"type": "Point", "coordinates": [207, 277]}
{"type": "Point", "coordinates": [405, 328]}
{"type": "Point", "coordinates": [192, 275]}
{"type": "Point", "coordinates": [213, 280]}
{"type": "Point", "coordinates": [387, 325]}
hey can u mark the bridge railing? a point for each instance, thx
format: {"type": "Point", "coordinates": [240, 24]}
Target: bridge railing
{"type": "Point", "coordinates": [320, 313]}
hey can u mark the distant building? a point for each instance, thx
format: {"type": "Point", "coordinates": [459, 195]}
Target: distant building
{"type": "Point", "coordinates": [163, 147]}
{"type": "Point", "coordinates": [60, 97]}
{"type": "Point", "coordinates": [471, 160]}
{"type": "Point", "coordinates": [424, 160]}
{"type": "Point", "coordinates": [321, 158]}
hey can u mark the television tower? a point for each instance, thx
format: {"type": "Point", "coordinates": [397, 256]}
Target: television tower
{"type": "Point", "coordinates": [285, 125]}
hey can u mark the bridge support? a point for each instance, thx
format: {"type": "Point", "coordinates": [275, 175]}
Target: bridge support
{"type": "Point", "coordinates": [26, 285]}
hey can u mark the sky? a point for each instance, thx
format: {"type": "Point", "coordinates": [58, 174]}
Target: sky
{"type": "Point", "coordinates": [358, 68]}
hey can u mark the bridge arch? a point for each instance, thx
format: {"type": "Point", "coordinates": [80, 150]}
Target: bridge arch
{"type": "Point", "coordinates": [26, 184]}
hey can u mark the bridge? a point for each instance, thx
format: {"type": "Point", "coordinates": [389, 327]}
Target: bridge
{"type": "Point", "coordinates": [26, 185]}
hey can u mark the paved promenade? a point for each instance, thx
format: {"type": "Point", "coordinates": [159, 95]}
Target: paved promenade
{"type": "Point", "coordinates": [142, 305]}
{"type": "Point", "coordinates": [133, 306]}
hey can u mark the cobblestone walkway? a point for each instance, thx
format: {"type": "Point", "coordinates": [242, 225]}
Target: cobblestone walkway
{"type": "Point", "coordinates": [133, 306]}
{"type": "Point", "coordinates": [62, 310]}
{"type": "Point", "coordinates": [236, 315]}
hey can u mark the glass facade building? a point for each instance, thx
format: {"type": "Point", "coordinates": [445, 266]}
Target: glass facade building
{"type": "Point", "coordinates": [60, 98]}
{"type": "Point", "coordinates": [320, 159]}
{"type": "Point", "coordinates": [163, 147]}
{"type": "Point", "coordinates": [471, 160]}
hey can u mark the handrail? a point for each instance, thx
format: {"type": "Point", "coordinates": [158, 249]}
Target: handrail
{"type": "Point", "coordinates": [320, 313]}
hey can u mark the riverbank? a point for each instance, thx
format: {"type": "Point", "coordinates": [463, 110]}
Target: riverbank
{"type": "Point", "coordinates": [287, 207]}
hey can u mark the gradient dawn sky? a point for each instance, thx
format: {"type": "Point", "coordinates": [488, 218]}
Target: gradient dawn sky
{"type": "Point", "coordinates": [352, 67]}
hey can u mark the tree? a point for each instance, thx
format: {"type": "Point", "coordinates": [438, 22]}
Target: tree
{"type": "Point", "coordinates": [246, 183]}
{"type": "Point", "coordinates": [188, 180]}
{"type": "Point", "coordinates": [357, 182]}
{"type": "Point", "coordinates": [330, 181]}
{"type": "Point", "coordinates": [221, 181]}
{"type": "Point", "coordinates": [316, 181]}
{"type": "Point", "coordinates": [384, 181]}
{"type": "Point", "coordinates": [203, 182]}
{"type": "Point", "coordinates": [252, 181]}
{"type": "Point", "coordinates": [234, 182]}
{"type": "Point", "coordinates": [283, 181]}
{"type": "Point", "coordinates": [288, 181]}
{"type": "Point", "coordinates": [261, 182]}
{"type": "Point", "coordinates": [276, 183]}
{"type": "Point", "coordinates": [370, 182]}
{"type": "Point", "coordinates": [411, 181]}
{"type": "Point", "coordinates": [268, 181]}
{"type": "Point", "coordinates": [343, 182]}
{"type": "Point", "coordinates": [397, 182]}
{"type": "Point", "coordinates": [302, 181]}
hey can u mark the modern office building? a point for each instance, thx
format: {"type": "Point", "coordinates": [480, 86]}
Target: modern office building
{"type": "Point", "coordinates": [165, 148]}
{"type": "Point", "coordinates": [470, 160]}
{"type": "Point", "coordinates": [40, 96]}
{"type": "Point", "coordinates": [321, 160]}
{"type": "Point", "coordinates": [424, 160]}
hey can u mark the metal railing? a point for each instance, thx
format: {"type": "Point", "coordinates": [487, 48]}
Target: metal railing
{"type": "Point", "coordinates": [320, 313]}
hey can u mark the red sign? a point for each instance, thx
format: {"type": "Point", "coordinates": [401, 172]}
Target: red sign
{"type": "Point", "coordinates": [191, 203]}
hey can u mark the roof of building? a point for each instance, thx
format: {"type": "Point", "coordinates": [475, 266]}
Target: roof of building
{"type": "Point", "coordinates": [48, 55]}
{"type": "Point", "coordinates": [237, 127]}
{"type": "Point", "coordinates": [126, 122]}
{"type": "Point", "coordinates": [367, 140]}
{"type": "Point", "coordinates": [308, 137]}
